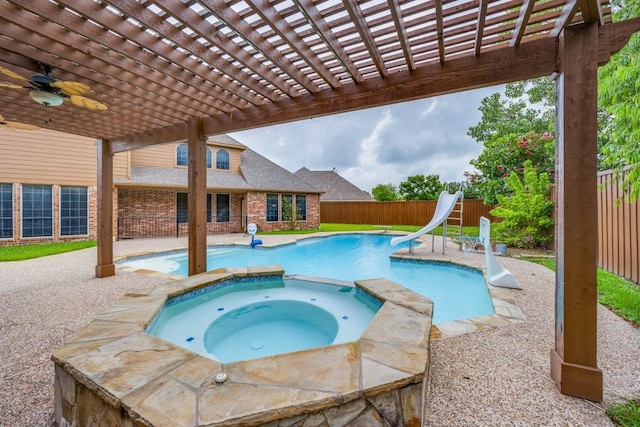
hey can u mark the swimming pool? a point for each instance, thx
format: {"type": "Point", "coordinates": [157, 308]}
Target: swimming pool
{"type": "Point", "coordinates": [457, 292]}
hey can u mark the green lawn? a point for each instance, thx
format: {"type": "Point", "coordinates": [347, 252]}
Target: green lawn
{"type": "Point", "coordinates": [625, 415]}
{"type": "Point", "coordinates": [20, 253]}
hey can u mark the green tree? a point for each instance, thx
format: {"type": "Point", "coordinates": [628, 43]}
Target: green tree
{"type": "Point", "coordinates": [507, 154]}
{"type": "Point", "coordinates": [528, 106]}
{"type": "Point", "coordinates": [468, 186]}
{"type": "Point", "coordinates": [289, 212]}
{"type": "Point", "coordinates": [528, 212]}
{"type": "Point", "coordinates": [421, 187]}
{"type": "Point", "coordinates": [619, 96]}
{"type": "Point", "coordinates": [385, 192]}
{"type": "Point", "coordinates": [514, 129]}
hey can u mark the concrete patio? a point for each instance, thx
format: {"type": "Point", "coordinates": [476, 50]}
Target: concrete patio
{"type": "Point", "coordinates": [496, 376]}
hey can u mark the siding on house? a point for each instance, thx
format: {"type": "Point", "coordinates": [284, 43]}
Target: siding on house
{"type": "Point", "coordinates": [28, 158]}
{"type": "Point", "coordinates": [164, 156]}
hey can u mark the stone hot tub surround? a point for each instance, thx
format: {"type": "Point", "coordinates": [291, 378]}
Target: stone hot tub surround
{"type": "Point", "coordinates": [113, 373]}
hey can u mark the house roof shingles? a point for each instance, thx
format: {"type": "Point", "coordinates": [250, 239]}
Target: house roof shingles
{"type": "Point", "coordinates": [334, 186]}
{"type": "Point", "coordinates": [256, 173]}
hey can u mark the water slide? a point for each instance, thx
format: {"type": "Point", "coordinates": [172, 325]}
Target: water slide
{"type": "Point", "coordinates": [496, 275]}
{"type": "Point", "coordinates": [446, 203]}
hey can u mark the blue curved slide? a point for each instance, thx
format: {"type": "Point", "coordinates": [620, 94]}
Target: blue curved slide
{"type": "Point", "coordinates": [446, 203]}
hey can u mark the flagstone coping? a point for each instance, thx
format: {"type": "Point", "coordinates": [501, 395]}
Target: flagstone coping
{"type": "Point", "coordinates": [113, 373]}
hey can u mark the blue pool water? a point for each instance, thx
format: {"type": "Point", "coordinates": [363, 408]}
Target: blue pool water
{"type": "Point", "coordinates": [457, 292]}
{"type": "Point", "coordinates": [257, 318]}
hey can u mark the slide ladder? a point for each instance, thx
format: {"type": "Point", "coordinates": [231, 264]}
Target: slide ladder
{"type": "Point", "coordinates": [453, 224]}
{"type": "Point", "coordinates": [447, 202]}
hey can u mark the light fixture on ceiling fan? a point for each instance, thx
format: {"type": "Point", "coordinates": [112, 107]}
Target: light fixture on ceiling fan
{"type": "Point", "coordinates": [48, 99]}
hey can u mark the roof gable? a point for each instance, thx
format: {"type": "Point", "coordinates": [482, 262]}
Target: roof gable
{"type": "Point", "coordinates": [335, 187]}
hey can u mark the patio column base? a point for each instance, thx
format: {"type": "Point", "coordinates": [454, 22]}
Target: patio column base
{"type": "Point", "coordinates": [107, 270]}
{"type": "Point", "coordinates": [576, 380]}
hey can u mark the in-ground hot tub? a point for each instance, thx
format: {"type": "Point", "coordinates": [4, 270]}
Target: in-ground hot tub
{"type": "Point", "coordinates": [258, 318]}
{"type": "Point", "coordinates": [114, 373]}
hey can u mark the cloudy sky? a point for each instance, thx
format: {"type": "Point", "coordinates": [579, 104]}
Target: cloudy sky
{"type": "Point", "coordinates": [380, 145]}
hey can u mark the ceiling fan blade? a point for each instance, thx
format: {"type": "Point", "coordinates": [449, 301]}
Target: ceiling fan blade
{"type": "Point", "coordinates": [13, 75]}
{"type": "Point", "coordinates": [88, 103]}
{"type": "Point", "coordinates": [71, 88]}
{"type": "Point", "coordinates": [20, 126]}
{"type": "Point", "coordinates": [10, 86]}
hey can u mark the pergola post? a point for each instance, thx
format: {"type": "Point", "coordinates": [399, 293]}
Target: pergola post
{"type": "Point", "coordinates": [574, 358]}
{"type": "Point", "coordinates": [197, 200]}
{"type": "Point", "coordinates": [105, 266]}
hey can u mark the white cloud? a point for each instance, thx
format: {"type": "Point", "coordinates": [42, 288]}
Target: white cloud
{"type": "Point", "coordinates": [380, 145]}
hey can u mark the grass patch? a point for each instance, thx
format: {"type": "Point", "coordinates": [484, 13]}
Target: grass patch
{"type": "Point", "coordinates": [614, 292]}
{"type": "Point", "coordinates": [621, 296]}
{"type": "Point", "coordinates": [626, 414]}
{"type": "Point", "coordinates": [22, 252]}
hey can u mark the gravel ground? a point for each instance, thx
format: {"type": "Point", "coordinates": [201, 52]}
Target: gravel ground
{"type": "Point", "coordinates": [492, 377]}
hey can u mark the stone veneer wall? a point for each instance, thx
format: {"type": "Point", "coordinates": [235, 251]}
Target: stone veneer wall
{"type": "Point", "coordinates": [56, 237]}
{"type": "Point", "coordinates": [257, 213]}
{"type": "Point", "coordinates": [402, 407]}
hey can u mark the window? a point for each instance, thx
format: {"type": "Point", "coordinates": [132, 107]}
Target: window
{"type": "Point", "coordinates": [6, 211]}
{"type": "Point", "coordinates": [74, 211]}
{"type": "Point", "coordinates": [182, 207]}
{"type": "Point", "coordinates": [222, 159]}
{"type": "Point", "coordinates": [37, 211]}
{"type": "Point", "coordinates": [182, 155]}
{"type": "Point", "coordinates": [301, 207]}
{"type": "Point", "coordinates": [222, 208]}
{"type": "Point", "coordinates": [272, 207]}
{"type": "Point", "coordinates": [287, 207]}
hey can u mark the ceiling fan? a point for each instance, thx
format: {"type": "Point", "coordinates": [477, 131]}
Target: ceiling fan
{"type": "Point", "coordinates": [5, 124]}
{"type": "Point", "coordinates": [51, 92]}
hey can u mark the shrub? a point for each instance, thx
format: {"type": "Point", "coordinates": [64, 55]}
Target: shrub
{"type": "Point", "coordinates": [528, 212]}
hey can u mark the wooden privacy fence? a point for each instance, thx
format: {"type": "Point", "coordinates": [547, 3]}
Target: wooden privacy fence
{"type": "Point", "coordinates": [618, 230]}
{"type": "Point", "coordinates": [417, 212]}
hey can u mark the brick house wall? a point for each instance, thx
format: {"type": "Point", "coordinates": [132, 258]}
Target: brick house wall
{"type": "Point", "coordinates": [92, 218]}
{"type": "Point", "coordinates": [153, 213]}
{"type": "Point", "coordinates": [257, 213]}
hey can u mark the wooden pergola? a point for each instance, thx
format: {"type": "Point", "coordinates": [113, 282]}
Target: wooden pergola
{"type": "Point", "coordinates": [176, 70]}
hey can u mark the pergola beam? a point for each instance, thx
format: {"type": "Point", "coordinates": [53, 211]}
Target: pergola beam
{"type": "Point", "coordinates": [105, 266]}
{"type": "Point", "coordinates": [521, 23]}
{"type": "Point", "coordinates": [534, 59]}
{"type": "Point", "coordinates": [396, 13]}
{"type": "Point", "coordinates": [574, 365]}
{"type": "Point", "coordinates": [197, 198]}
{"type": "Point", "coordinates": [482, 15]}
{"type": "Point", "coordinates": [360, 22]}
{"type": "Point", "coordinates": [315, 19]}
{"type": "Point", "coordinates": [591, 11]}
